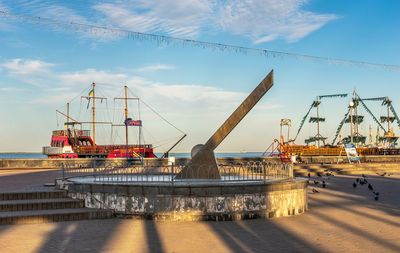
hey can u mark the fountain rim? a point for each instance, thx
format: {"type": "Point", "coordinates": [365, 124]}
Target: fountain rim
{"type": "Point", "coordinates": [176, 183]}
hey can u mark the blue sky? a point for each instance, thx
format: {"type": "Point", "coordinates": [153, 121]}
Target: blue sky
{"type": "Point", "coordinates": [42, 67]}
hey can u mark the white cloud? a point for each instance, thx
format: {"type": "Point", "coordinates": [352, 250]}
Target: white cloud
{"type": "Point", "coordinates": [267, 20]}
{"type": "Point", "coordinates": [192, 93]}
{"type": "Point", "coordinates": [10, 89]}
{"type": "Point", "coordinates": [62, 13]}
{"type": "Point", "coordinates": [28, 70]}
{"type": "Point", "coordinates": [155, 67]}
{"type": "Point", "coordinates": [260, 20]}
{"type": "Point", "coordinates": [184, 96]}
{"type": "Point", "coordinates": [176, 18]}
{"type": "Point", "coordinates": [4, 25]}
{"type": "Point", "coordinates": [88, 76]}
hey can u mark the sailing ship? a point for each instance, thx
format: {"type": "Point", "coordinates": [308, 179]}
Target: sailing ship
{"type": "Point", "coordinates": [75, 142]}
{"type": "Point", "coordinates": [318, 145]}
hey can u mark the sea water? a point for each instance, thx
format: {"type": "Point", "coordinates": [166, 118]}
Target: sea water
{"type": "Point", "coordinates": [178, 155]}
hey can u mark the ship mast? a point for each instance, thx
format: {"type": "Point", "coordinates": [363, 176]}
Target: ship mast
{"type": "Point", "coordinates": [126, 118]}
{"type": "Point", "coordinates": [92, 96]}
{"type": "Point", "coordinates": [126, 98]}
{"type": "Point", "coordinates": [93, 113]}
{"type": "Point", "coordinates": [67, 112]}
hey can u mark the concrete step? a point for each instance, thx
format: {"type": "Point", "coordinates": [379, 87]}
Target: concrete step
{"type": "Point", "coordinates": [55, 215]}
{"type": "Point", "coordinates": [40, 204]}
{"type": "Point", "coordinates": [32, 195]}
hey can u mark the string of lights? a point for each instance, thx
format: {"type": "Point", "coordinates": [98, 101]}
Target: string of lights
{"type": "Point", "coordinates": [164, 40]}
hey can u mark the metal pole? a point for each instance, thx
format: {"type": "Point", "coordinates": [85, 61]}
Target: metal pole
{"type": "Point", "coordinates": [351, 124]}
{"type": "Point", "coordinates": [67, 112]}
{"type": "Point", "coordinates": [264, 171]}
{"type": "Point", "coordinates": [318, 122]}
{"type": "Point", "coordinates": [126, 117]}
{"type": "Point", "coordinates": [94, 115]}
{"type": "Point", "coordinates": [172, 172]}
{"type": "Point", "coordinates": [388, 117]}
{"type": "Point", "coordinates": [356, 118]}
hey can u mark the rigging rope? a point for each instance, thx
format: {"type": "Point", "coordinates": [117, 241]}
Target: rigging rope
{"type": "Point", "coordinates": [369, 111]}
{"type": "Point", "coordinates": [340, 126]}
{"type": "Point", "coordinates": [395, 114]}
{"type": "Point", "coordinates": [168, 40]}
{"type": "Point", "coordinates": [154, 111]}
{"type": "Point", "coordinates": [303, 120]}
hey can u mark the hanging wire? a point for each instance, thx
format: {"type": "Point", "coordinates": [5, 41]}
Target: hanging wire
{"type": "Point", "coordinates": [155, 112]}
{"type": "Point", "coordinates": [163, 40]}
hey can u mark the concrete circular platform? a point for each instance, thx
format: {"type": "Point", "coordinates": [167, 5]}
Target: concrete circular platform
{"type": "Point", "coordinates": [192, 199]}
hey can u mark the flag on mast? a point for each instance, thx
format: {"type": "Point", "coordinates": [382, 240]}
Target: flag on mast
{"type": "Point", "coordinates": [91, 94]}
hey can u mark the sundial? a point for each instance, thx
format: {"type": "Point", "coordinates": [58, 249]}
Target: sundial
{"type": "Point", "coordinates": [203, 164]}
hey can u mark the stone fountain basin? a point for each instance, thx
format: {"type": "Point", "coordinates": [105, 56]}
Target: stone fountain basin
{"type": "Point", "coordinates": [191, 199]}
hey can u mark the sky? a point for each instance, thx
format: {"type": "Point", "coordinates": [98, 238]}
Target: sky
{"type": "Point", "coordinates": [43, 66]}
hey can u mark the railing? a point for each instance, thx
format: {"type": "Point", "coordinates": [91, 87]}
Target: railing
{"type": "Point", "coordinates": [119, 172]}
{"type": "Point", "coordinates": [74, 133]}
{"type": "Point", "coordinates": [52, 150]}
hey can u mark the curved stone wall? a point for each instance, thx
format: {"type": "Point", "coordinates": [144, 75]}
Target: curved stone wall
{"type": "Point", "coordinates": [233, 201]}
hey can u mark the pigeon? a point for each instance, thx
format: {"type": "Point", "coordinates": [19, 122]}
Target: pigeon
{"type": "Point", "coordinates": [376, 193]}
{"type": "Point", "coordinates": [365, 181]}
{"type": "Point", "coordinates": [370, 187]}
{"type": "Point", "coordinates": [357, 180]}
{"type": "Point", "coordinates": [376, 198]}
{"type": "Point", "coordinates": [354, 185]}
{"type": "Point", "coordinates": [323, 184]}
{"type": "Point", "coordinates": [364, 176]}
{"type": "Point", "coordinates": [316, 182]}
{"type": "Point", "coordinates": [314, 190]}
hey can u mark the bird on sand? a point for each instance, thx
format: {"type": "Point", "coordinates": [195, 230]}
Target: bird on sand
{"type": "Point", "coordinates": [354, 185]}
{"type": "Point", "coordinates": [357, 180]}
{"type": "Point", "coordinates": [382, 175]}
{"type": "Point", "coordinates": [314, 190]}
{"type": "Point", "coordinates": [316, 182]}
{"type": "Point", "coordinates": [376, 198]}
{"type": "Point", "coordinates": [364, 176]}
{"type": "Point", "coordinates": [323, 184]}
{"type": "Point", "coordinates": [370, 187]}
{"type": "Point", "coordinates": [309, 175]}
{"type": "Point", "coordinates": [319, 174]}
{"type": "Point", "coordinates": [376, 193]}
